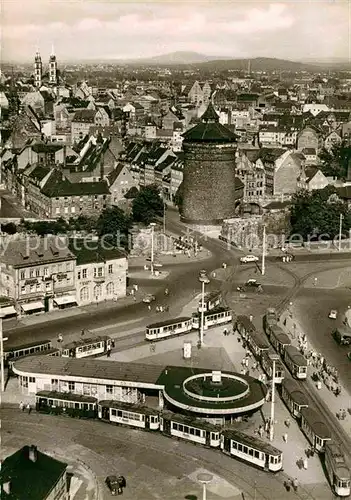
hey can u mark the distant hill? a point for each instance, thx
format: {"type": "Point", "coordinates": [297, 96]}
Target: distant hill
{"type": "Point", "coordinates": [177, 58]}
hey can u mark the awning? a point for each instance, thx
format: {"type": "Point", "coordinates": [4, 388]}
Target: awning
{"type": "Point", "coordinates": [67, 299]}
{"type": "Point", "coordinates": [33, 306]}
{"type": "Point", "coordinates": [8, 311]}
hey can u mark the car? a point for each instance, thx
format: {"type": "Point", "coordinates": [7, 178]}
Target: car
{"type": "Point", "coordinates": [116, 484]}
{"type": "Point", "coordinates": [253, 283]}
{"type": "Point", "coordinates": [149, 298]}
{"type": "Point", "coordinates": [248, 258]}
{"type": "Point", "coordinates": [333, 314]}
{"type": "Point", "coordinates": [112, 484]}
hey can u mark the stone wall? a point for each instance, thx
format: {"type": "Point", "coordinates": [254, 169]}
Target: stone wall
{"type": "Point", "coordinates": [209, 182]}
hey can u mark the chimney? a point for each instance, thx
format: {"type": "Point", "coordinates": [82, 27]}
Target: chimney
{"type": "Point", "coordinates": [7, 487]}
{"type": "Point", "coordinates": [33, 453]}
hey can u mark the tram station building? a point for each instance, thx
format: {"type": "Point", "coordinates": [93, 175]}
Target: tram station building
{"type": "Point", "coordinates": [198, 392]}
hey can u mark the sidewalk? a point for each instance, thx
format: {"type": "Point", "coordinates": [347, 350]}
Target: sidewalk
{"type": "Point", "coordinates": [334, 403]}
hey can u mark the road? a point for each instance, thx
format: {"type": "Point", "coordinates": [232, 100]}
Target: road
{"type": "Point", "coordinates": [155, 466]}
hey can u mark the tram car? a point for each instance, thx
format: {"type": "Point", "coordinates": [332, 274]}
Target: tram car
{"type": "Point", "coordinates": [65, 403]}
{"type": "Point", "coordinates": [82, 348]}
{"type": "Point", "coordinates": [190, 429]}
{"type": "Point", "coordinates": [36, 348]}
{"type": "Point", "coordinates": [269, 319]}
{"type": "Point", "coordinates": [338, 472]}
{"type": "Point", "coordinates": [293, 397]}
{"type": "Point", "coordinates": [169, 328]}
{"type": "Point", "coordinates": [296, 362]}
{"type": "Point", "coordinates": [258, 344]}
{"type": "Point", "coordinates": [315, 429]}
{"type": "Point", "coordinates": [211, 301]}
{"type": "Point", "coordinates": [218, 316]}
{"type": "Point", "coordinates": [251, 449]}
{"type": "Point", "coordinates": [244, 326]}
{"type": "Point", "coordinates": [278, 338]}
{"type": "Point", "coordinates": [267, 365]}
{"type": "Point", "coordinates": [120, 413]}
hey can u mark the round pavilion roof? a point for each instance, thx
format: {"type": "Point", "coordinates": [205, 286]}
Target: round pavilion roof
{"type": "Point", "coordinates": [210, 130]}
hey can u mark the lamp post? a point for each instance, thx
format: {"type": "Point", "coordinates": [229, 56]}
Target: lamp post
{"type": "Point", "coordinates": [152, 225]}
{"type": "Point", "coordinates": [164, 217]}
{"type": "Point", "coordinates": [274, 359]}
{"type": "Point", "coordinates": [2, 340]}
{"type": "Point", "coordinates": [263, 268]}
{"type": "Point", "coordinates": [204, 280]}
{"type": "Point", "coordinates": [340, 231]}
{"type": "Point", "coordinates": [204, 479]}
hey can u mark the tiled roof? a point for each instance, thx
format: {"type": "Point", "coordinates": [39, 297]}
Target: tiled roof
{"type": "Point", "coordinates": [46, 148]}
{"type": "Point", "coordinates": [311, 172]}
{"type": "Point", "coordinates": [92, 368]}
{"type": "Point", "coordinates": [115, 173]}
{"type": "Point", "coordinates": [84, 116]}
{"type": "Point", "coordinates": [93, 252]}
{"type": "Point", "coordinates": [57, 185]}
{"type": "Point", "coordinates": [30, 480]}
{"type": "Point", "coordinates": [39, 173]}
{"type": "Point", "coordinates": [309, 151]}
{"type": "Point", "coordinates": [35, 250]}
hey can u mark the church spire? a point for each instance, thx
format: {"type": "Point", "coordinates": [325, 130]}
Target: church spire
{"type": "Point", "coordinates": [38, 69]}
{"type": "Point", "coordinates": [52, 67]}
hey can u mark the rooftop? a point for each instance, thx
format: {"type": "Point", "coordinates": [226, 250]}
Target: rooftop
{"type": "Point", "coordinates": [30, 479]}
{"type": "Point", "coordinates": [92, 251]}
{"type": "Point", "coordinates": [91, 368]}
{"type": "Point", "coordinates": [210, 130]}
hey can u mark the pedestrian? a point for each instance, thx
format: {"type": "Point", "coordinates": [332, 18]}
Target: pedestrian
{"type": "Point", "coordinates": [285, 437]}
{"type": "Point", "coordinates": [287, 423]}
{"type": "Point", "coordinates": [29, 408]}
{"type": "Point", "coordinates": [21, 406]}
{"type": "Point", "coordinates": [305, 463]}
{"type": "Point", "coordinates": [108, 354]}
{"type": "Point", "coordinates": [149, 307]}
{"type": "Point", "coordinates": [134, 298]}
{"type": "Point", "coordinates": [295, 484]}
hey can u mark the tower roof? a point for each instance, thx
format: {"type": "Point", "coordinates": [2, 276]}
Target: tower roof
{"type": "Point", "coordinates": [209, 129]}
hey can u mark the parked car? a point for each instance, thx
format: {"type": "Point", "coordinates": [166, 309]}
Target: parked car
{"type": "Point", "coordinates": [333, 314]}
{"type": "Point", "coordinates": [248, 258]}
{"type": "Point", "coordinates": [112, 484]}
{"type": "Point", "coordinates": [149, 298]}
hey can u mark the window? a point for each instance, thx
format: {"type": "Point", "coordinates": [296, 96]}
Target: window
{"type": "Point", "coordinates": [23, 289]}
{"type": "Point", "coordinates": [23, 275]}
{"type": "Point", "coordinates": [257, 454]}
{"type": "Point", "coordinates": [31, 273]}
{"type": "Point", "coordinates": [66, 210]}
{"type": "Point", "coordinates": [54, 381]}
{"type": "Point", "coordinates": [46, 271]}
{"type": "Point", "coordinates": [79, 275]}
{"type": "Point", "coordinates": [32, 380]}
{"type": "Point", "coordinates": [48, 285]}
{"type": "Point", "coordinates": [97, 291]}
{"type": "Point", "coordinates": [110, 269]}
{"type": "Point", "coordinates": [32, 288]}
{"type": "Point", "coordinates": [110, 289]}
{"type": "Point", "coordinates": [84, 293]}
{"type": "Point", "coordinates": [73, 210]}
{"type": "Point", "coordinates": [37, 272]}
{"type": "Point", "coordinates": [37, 286]}
{"type": "Point", "coordinates": [71, 386]}
{"type": "Point", "coordinates": [84, 274]}
{"type": "Point", "coordinates": [57, 210]}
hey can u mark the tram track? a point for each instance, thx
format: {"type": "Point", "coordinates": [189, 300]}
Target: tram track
{"type": "Point", "coordinates": [254, 489]}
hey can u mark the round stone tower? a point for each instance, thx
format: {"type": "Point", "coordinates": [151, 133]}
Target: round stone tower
{"type": "Point", "coordinates": [209, 171]}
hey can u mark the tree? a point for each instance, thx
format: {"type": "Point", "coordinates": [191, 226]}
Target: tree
{"type": "Point", "coordinates": [9, 228]}
{"type": "Point", "coordinates": [147, 205]}
{"type": "Point", "coordinates": [113, 225]}
{"type": "Point", "coordinates": [82, 223]}
{"type": "Point", "coordinates": [179, 198]}
{"type": "Point", "coordinates": [335, 162]}
{"type": "Point", "coordinates": [318, 213]}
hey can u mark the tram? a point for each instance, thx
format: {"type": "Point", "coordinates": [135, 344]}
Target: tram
{"type": "Point", "coordinates": [296, 362]}
{"type": "Point", "coordinates": [293, 397]}
{"type": "Point", "coordinates": [278, 338]}
{"type": "Point", "coordinates": [65, 403]}
{"type": "Point", "coordinates": [190, 429]}
{"type": "Point", "coordinates": [251, 449]}
{"type": "Point", "coordinates": [267, 365]}
{"type": "Point", "coordinates": [85, 347]}
{"type": "Point", "coordinates": [338, 472]}
{"type": "Point", "coordinates": [169, 328]}
{"type": "Point", "coordinates": [244, 326]}
{"type": "Point", "coordinates": [218, 316]}
{"type": "Point", "coordinates": [211, 301]}
{"type": "Point", "coordinates": [120, 413]}
{"type": "Point", "coordinates": [35, 348]}
{"type": "Point", "coordinates": [269, 319]}
{"type": "Point", "coordinates": [315, 429]}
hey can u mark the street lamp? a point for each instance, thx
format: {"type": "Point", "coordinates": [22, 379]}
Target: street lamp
{"type": "Point", "coordinates": [204, 280]}
{"type": "Point", "coordinates": [274, 358]}
{"type": "Point", "coordinates": [204, 479]}
{"type": "Point", "coordinates": [263, 268]}
{"type": "Point", "coordinates": [2, 340]}
{"type": "Point", "coordinates": [340, 231]}
{"type": "Point", "coordinates": [152, 225]}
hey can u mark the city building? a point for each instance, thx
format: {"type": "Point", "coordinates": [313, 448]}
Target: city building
{"type": "Point", "coordinates": [29, 474]}
{"type": "Point", "coordinates": [209, 171]}
{"type": "Point", "coordinates": [38, 70]}
{"type": "Point", "coordinates": [100, 271]}
{"type": "Point", "coordinates": [37, 273]}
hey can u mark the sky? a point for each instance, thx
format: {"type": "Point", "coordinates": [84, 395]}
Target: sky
{"type": "Point", "coordinates": [113, 29]}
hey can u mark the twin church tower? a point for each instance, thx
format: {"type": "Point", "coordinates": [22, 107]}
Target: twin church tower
{"type": "Point", "coordinates": [38, 69]}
